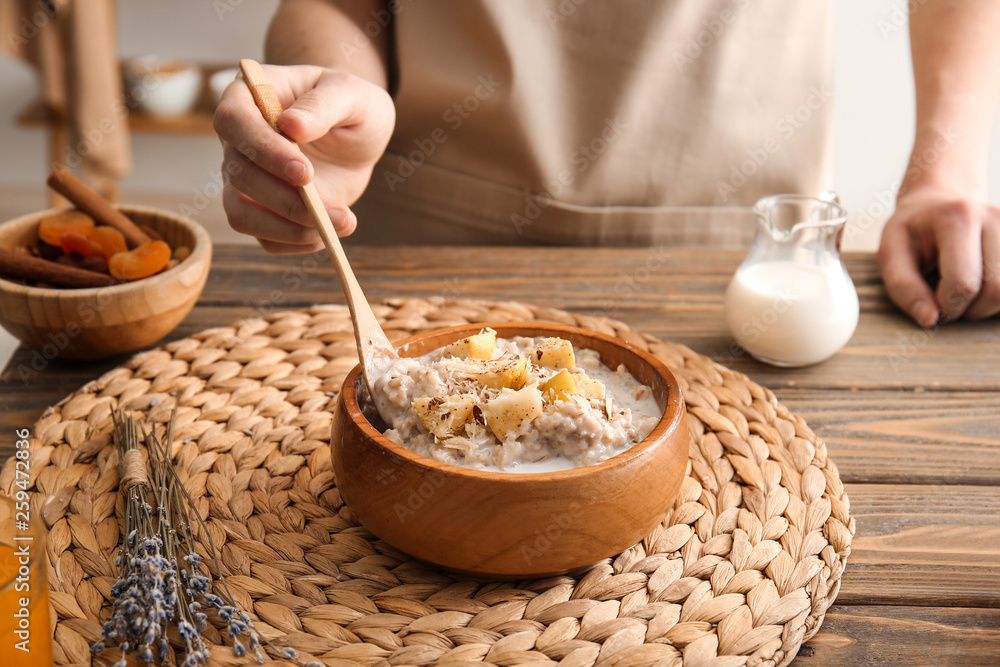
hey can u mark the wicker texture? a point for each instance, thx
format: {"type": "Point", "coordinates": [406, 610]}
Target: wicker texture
{"type": "Point", "coordinates": [741, 572]}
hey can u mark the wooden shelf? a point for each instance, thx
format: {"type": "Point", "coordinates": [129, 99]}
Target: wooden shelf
{"type": "Point", "coordinates": [196, 121]}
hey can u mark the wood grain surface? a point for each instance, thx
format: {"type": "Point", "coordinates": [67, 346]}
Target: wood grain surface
{"type": "Point", "coordinates": [911, 417]}
{"type": "Point", "coordinates": [908, 435]}
{"type": "Point", "coordinates": [901, 635]}
{"type": "Point", "coordinates": [924, 545]}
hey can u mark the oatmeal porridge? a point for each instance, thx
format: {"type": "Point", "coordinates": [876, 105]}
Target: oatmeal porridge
{"type": "Point", "coordinates": [517, 404]}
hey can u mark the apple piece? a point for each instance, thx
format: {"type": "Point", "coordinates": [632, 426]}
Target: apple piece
{"type": "Point", "coordinates": [559, 387]}
{"type": "Point", "coordinates": [588, 387]}
{"type": "Point", "coordinates": [509, 373]}
{"type": "Point", "coordinates": [478, 346]}
{"type": "Point", "coordinates": [512, 411]}
{"type": "Point", "coordinates": [555, 353]}
{"type": "Point", "coordinates": [445, 416]}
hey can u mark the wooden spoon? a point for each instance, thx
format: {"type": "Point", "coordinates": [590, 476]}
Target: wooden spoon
{"type": "Point", "coordinates": [374, 349]}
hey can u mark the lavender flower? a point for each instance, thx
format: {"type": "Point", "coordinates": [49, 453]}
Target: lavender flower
{"type": "Point", "coordinates": [143, 595]}
{"type": "Point", "coordinates": [161, 576]}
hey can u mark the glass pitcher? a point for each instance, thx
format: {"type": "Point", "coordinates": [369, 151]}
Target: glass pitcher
{"type": "Point", "coordinates": [791, 302]}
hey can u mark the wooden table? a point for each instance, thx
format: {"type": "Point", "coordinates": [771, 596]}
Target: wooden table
{"type": "Point", "coordinates": [911, 417]}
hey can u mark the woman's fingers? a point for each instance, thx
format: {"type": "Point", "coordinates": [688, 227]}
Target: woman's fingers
{"type": "Point", "coordinates": [271, 192]}
{"type": "Point", "coordinates": [332, 100]}
{"type": "Point", "coordinates": [958, 232]}
{"type": "Point", "coordinates": [248, 216]}
{"type": "Point", "coordinates": [961, 237]}
{"type": "Point", "coordinates": [240, 124]}
{"type": "Point", "coordinates": [900, 267]}
{"type": "Point", "coordinates": [987, 303]}
{"type": "Point", "coordinates": [342, 122]}
{"type": "Point", "coordinates": [276, 248]}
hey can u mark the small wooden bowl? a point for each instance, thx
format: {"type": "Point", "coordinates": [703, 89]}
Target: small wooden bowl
{"type": "Point", "coordinates": [508, 525]}
{"type": "Point", "coordinates": [100, 322]}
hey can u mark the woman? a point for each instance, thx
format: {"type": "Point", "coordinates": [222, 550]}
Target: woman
{"type": "Point", "coordinates": [584, 122]}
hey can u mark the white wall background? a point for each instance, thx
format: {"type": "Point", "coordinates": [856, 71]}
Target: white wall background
{"type": "Point", "coordinates": [874, 112]}
{"type": "Point", "coordinates": [873, 104]}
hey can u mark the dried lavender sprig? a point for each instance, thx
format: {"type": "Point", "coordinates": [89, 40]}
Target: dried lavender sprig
{"type": "Point", "coordinates": [196, 586]}
{"type": "Point", "coordinates": [160, 568]}
{"type": "Point", "coordinates": [144, 597]}
{"type": "Point", "coordinates": [190, 622]}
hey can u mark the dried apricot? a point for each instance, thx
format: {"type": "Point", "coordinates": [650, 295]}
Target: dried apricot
{"type": "Point", "coordinates": [80, 244]}
{"type": "Point", "coordinates": [51, 229]}
{"type": "Point", "coordinates": [110, 239]}
{"type": "Point", "coordinates": [143, 261]}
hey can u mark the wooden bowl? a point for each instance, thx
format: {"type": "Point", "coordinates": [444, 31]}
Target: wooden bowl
{"type": "Point", "coordinates": [508, 525]}
{"type": "Point", "coordinates": [100, 322]}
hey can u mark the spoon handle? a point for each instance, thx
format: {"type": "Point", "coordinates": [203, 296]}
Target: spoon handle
{"type": "Point", "coordinates": [373, 345]}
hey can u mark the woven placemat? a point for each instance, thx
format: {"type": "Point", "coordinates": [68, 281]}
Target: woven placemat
{"type": "Point", "coordinates": [741, 571]}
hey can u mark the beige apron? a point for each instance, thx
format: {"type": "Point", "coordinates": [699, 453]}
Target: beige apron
{"type": "Point", "coordinates": [592, 122]}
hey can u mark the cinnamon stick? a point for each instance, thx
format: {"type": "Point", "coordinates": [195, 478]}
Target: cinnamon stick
{"type": "Point", "coordinates": [29, 267]}
{"type": "Point", "coordinates": [84, 198]}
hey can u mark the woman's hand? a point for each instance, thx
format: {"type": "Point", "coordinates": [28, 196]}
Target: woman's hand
{"type": "Point", "coordinates": [936, 228]}
{"type": "Point", "coordinates": [340, 125]}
